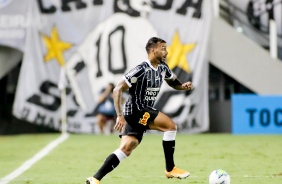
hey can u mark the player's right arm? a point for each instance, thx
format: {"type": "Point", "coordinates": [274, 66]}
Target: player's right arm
{"type": "Point", "coordinates": [118, 102]}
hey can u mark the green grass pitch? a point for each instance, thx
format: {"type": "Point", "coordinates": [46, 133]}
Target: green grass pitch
{"type": "Point", "coordinates": [249, 159]}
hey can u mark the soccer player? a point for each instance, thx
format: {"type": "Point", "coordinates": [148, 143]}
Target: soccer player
{"type": "Point", "coordinates": [138, 115]}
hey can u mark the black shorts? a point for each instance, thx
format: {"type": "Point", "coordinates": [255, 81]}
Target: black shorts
{"type": "Point", "coordinates": [138, 122]}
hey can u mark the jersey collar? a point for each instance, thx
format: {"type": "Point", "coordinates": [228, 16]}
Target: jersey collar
{"type": "Point", "coordinates": [149, 63]}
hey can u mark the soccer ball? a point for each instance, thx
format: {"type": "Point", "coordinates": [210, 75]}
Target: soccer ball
{"type": "Point", "coordinates": [219, 176]}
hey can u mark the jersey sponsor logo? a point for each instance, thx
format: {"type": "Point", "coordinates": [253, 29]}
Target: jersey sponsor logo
{"type": "Point", "coordinates": [148, 98]}
{"type": "Point", "coordinates": [153, 89]}
{"type": "Point", "coordinates": [145, 118]}
{"type": "Point", "coordinates": [151, 94]}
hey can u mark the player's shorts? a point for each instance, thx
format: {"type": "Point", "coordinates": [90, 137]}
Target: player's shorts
{"type": "Point", "coordinates": [138, 122]}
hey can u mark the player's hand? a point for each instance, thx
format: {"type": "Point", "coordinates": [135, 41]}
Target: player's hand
{"type": "Point", "coordinates": [187, 85]}
{"type": "Point", "coordinates": [120, 124]}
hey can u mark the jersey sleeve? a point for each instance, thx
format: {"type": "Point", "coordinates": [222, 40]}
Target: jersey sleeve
{"type": "Point", "coordinates": [168, 73]}
{"type": "Point", "coordinates": [133, 75]}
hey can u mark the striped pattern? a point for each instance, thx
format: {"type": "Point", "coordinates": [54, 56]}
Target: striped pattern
{"type": "Point", "coordinates": [145, 82]}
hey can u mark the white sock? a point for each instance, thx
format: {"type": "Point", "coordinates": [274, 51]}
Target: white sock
{"type": "Point", "coordinates": [169, 135]}
{"type": "Point", "coordinates": [120, 154]}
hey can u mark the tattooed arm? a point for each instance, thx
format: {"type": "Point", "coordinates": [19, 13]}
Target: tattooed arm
{"type": "Point", "coordinates": [118, 102]}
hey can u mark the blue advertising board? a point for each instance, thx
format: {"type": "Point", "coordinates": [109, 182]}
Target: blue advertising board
{"type": "Point", "coordinates": [256, 114]}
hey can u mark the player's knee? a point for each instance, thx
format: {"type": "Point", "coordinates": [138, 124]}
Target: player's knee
{"type": "Point", "coordinates": [129, 147]}
{"type": "Point", "coordinates": [127, 152]}
{"type": "Point", "coordinates": [169, 127]}
{"type": "Point", "coordinates": [173, 127]}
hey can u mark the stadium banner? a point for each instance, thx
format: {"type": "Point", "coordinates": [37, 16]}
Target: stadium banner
{"type": "Point", "coordinates": [96, 42]}
{"type": "Point", "coordinates": [14, 20]}
{"type": "Point", "coordinates": [256, 114]}
{"type": "Point", "coordinates": [252, 18]}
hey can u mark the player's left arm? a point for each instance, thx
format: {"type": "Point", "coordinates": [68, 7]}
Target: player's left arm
{"type": "Point", "coordinates": [176, 84]}
{"type": "Point", "coordinates": [173, 81]}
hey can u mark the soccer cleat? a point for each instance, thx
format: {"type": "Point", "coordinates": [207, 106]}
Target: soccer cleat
{"type": "Point", "coordinates": [177, 173]}
{"type": "Point", "coordinates": [92, 180]}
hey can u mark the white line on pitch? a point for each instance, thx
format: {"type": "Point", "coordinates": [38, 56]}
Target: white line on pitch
{"type": "Point", "coordinates": [42, 153]}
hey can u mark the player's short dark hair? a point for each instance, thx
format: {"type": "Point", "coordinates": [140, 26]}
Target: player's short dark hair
{"type": "Point", "coordinates": [152, 42]}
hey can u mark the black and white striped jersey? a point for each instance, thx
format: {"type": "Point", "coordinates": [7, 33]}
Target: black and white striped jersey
{"type": "Point", "coordinates": [144, 83]}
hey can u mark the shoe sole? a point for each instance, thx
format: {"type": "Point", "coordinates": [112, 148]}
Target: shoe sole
{"type": "Point", "coordinates": [178, 177]}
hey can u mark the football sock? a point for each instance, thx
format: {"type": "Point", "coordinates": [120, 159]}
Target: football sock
{"type": "Point", "coordinates": [168, 152]}
{"type": "Point", "coordinates": [168, 146]}
{"type": "Point", "coordinates": [110, 163]}
{"type": "Point", "coordinates": [120, 154]}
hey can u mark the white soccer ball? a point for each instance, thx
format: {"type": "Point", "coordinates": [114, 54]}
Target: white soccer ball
{"type": "Point", "coordinates": [219, 176]}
